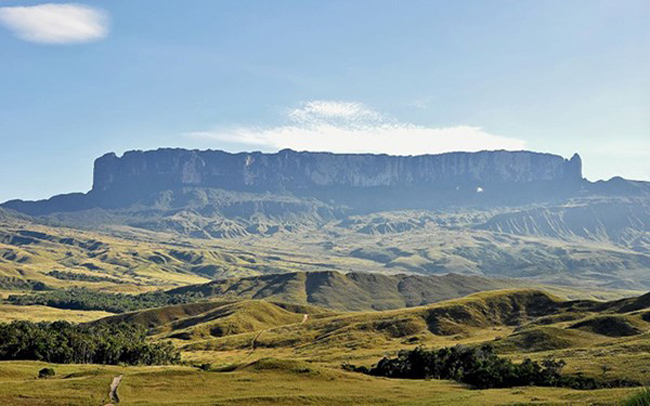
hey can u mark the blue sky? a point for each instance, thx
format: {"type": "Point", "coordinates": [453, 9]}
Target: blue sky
{"type": "Point", "coordinates": [352, 75]}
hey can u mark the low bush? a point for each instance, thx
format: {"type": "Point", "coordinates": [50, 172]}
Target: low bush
{"type": "Point", "coordinates": [46, 373]}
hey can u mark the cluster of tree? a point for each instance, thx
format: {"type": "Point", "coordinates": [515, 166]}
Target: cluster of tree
{"type": "Point", "coordinates": [12, 283]}
{"type": "Point", "coordinates": [66, 343]}
{"type": "Point", "coordinates": [85, 299]}
{"type": "Point", "coordinates": [74, 276]}
{"type": "Point", "coordinates": [481, 368]}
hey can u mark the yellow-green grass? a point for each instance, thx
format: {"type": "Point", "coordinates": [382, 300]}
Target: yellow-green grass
{"type": "Point", "coordinates": [604, 357]}
{"type": "Point", "coordinates": [233, 319]}
{"type": "Point", "coordinates": [612, 325]}
{"type": "Point", "coordinates": [30, 251]}
{"type": "Point", "coordinates": [217, 327]}
{"type": "Point", "coordinates": [72, 384]}
{"type": "Point", "coordinates": [4, 294]}
{"type": "Point", "coordinates": [158, 318]}
{"type": "Point", "coordinates": [450, 320]}
{"type": "Point", "coordinates": [279, 360]}
{"type": "Point", "coordinates": [147, 260]}
{"type": "Point", "coordinates": [230, 317]}
{"type": "Point", "coordinates": [577, 292]}
{"type": "Point", "coordinates": [255, 323]}
{"type": "Point", "coordinates": [546, 338]}
{"type": "Point", "coordinates": [363, 338]}
{"type": "Point", "coordinates": [265, 382]}
{"type": "Point", "coordinates": [9, 313]}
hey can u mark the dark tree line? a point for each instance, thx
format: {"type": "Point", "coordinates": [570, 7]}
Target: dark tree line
{"type": "Point", "coordinates": [66, 343]}
{"type": "Point", "coordinates": [10, 283]}
{"type": "Point", "coordinates": [85, 299]}
{"type": "Point", "coordinates": [75, 276]}
{"type": "Point", "coordinates": [481, 368]}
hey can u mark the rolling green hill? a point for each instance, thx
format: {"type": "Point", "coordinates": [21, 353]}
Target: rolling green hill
{"type": "Point", "coordinates": [456, 320]}
{"type": "Point", "coordinates": [351, 291]}
{"type": "Point", "coordinates": [514, 321]}
{"type": "Point", "coordinates": [278, 348]}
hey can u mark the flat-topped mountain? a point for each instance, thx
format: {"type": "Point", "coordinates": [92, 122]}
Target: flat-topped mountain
{"type": "Point", "coordinates": [289, 170]}
{"type": "Point", "coordinates": [360, 182]}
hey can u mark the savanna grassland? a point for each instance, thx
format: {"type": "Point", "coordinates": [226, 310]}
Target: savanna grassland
{"type": "Point", "coordinates": [271, 319]}
{"type": "Point", "coordinates": [264, 382]}
{"type": "Point", "coordinates": [259, 352]}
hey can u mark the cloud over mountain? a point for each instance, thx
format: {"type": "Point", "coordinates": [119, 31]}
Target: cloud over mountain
{"type": "Point", "coordinates": [342, 126]}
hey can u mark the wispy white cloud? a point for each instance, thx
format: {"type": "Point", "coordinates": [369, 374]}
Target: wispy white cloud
{"type": "Point", "coordinates": [56, 23]}
{"type": "Point", "coordinates": [319, 112]}
{"type": "Point", "coordinates": [353, 127]}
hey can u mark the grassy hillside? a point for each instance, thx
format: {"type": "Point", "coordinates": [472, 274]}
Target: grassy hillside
{"type": "Point", "coordinates": [9, 313]}
{"type": "Point", "coordinates": [261, 352]}
{"type": "Point", "coordinates": [516, 322]}
{"type": "Point", "coordinates": [351, 291]}
{"type": "Point", "coordinates": [197, 321]}
{"type": "Point", "coordinates": [263, 382]}
{"type": "Point", "coordinates": [462, 320]}
{"type": "Point", "coordinates": [119, 260]}
{"type": "Point", "coordinates": [520, 318]}
{"type": "Point", "coordinates": [543, 245]}
{"type": "Point", "coordinates": [61, 257]}
{"type": "Point", "coordinates": [284, 307]}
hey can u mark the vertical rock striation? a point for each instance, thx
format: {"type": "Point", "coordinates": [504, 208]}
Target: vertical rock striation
{"type": "Point", "coordinates": [289, 170]}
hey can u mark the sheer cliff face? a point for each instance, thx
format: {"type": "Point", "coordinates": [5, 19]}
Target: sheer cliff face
{"type": "Point", "coordinates": [288, 170]}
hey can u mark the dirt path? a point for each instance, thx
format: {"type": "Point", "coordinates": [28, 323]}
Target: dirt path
{"type": "Point", "coordinates": [112, 394]}
{"type": "Point", "coordinates": [254, 341]}
{"type": "Point", "coordinates": [305, 317]}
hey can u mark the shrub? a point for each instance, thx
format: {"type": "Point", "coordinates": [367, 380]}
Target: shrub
{"type": "Point", "coordinates": [46, 373]}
